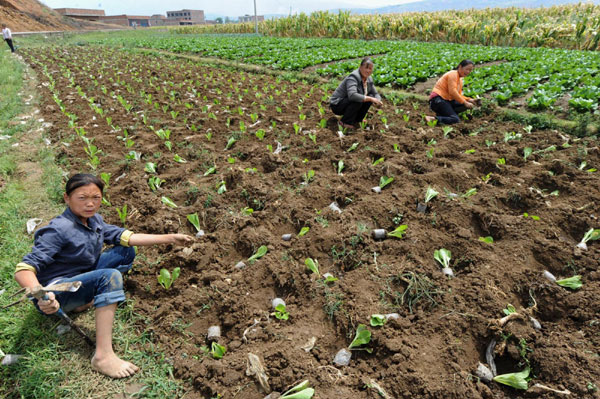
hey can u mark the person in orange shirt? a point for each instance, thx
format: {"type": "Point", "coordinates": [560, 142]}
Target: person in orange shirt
{"type": "Point", "coordinates": [446, 98]}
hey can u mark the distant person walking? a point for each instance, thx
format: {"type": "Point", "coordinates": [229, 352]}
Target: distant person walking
{"type": "Point", "coordinates": [446, 99]}
{"type": "Point", "coordinates": [355, 95]}
{"type": "Point", "coordinates": [7, 34]}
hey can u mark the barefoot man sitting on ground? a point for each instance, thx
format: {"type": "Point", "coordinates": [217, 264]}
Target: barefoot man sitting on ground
{"type": "Point", "coordinates": [70, 249]}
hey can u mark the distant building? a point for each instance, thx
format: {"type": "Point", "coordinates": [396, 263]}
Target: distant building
{"type": "Point", "coordinates": [187, 17]}
{"type": "Point", "coordinates": [127, 20]}
{"type": "Point", "coordinates": [161, 20]}
{"type": "Point", "coordinates": [250, 18]}
{"type": "Point", "coordinates": [81, 13]}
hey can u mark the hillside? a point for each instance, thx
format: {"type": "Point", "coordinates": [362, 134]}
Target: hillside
{"type": "Point", "coordinates": [31, 15]}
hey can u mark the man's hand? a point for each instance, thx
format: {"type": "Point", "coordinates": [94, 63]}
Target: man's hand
{"type": "Point", "coordinates": [180, 239]}
{"type": "Point", "coordinates": [49, 306]}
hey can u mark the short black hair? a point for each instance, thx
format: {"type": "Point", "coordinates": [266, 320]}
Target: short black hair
{"type": "Point", "coordinates": [464, 63]}
{"type": "Point", "coordinates": [83, 179]}
{"type": "Point", "coordinates": [366, 60]}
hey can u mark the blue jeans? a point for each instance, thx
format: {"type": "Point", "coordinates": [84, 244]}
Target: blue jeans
{"type": "Point", "coordinates": [104, 285]}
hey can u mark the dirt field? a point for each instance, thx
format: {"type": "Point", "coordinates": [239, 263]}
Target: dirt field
{"type": "Point", "coordinates": [444, 325]}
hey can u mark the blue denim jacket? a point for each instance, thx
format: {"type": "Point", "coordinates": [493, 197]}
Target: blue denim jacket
{"type": "Point", "coordinates": [66, 247]}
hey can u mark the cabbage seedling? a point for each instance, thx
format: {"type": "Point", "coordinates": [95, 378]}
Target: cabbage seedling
{"type": "Point", "coordinates": [377, 320]}
{"type": "Point", "coordinates": [443, 256]}
{"type": "Point", "coordinates": [300, 391]}
{"type": "Point", "coordinates": [384, 181]}
{"type": "Point", "coordinates": [230, 143]}
{"type": "Point", "coordinates": [303, 231]}
{"type": "Point", "coordinates": [591, 235]}
{"type": "Point", "coordinates": [177, 158]}
{"type": "Point", "coordinates": [166, 279]}
{"type": "Point", "coordinates": [210, 170]}
{"type": "Point", "coordinates": [193, 219]}
{"type": "Point", "coordinates": [487, 240]}
{"type": "Point", "coordinates": [122, 214]}
{"type": "Point", "coordinates": [510, 309]}
{"type": "Point", "coordinates": [527, 151]}
{"type": "Point", "coordinates": [168, 202]}
{"type": "Point", "coordinates": [260, 252]}
{"type": "Point", "coordinates": [515, 380]}
{"type": "Point", "coordinates": [353, 147]}
{"type": "Point", "coordinates": [378, 161]}
{"type": "Point", "coordinates": [260, 133]}
{"type": "Point", "coordinates": [150, 167]}
{"type": "Point", "coordinates": [154, 182]}
{"type": "Point", "coordinates": [362, 337]}
{"type": "Point", "coordinates": [313, 265]}
{"type": "Point", "coordinates": [469, 193]}
{"type": "Point", "coordinates": [430, 194]}
{"type": "Point", "coordinates": [280, 312]}
{"type": "Point", "coordinates": [573, 283]}
{"type": "Point", "coordinates": [340, 167]}
{"type": "Point", "coordinates": [217, 351]}
{"type": "Point", "coordinates": [398, 232]}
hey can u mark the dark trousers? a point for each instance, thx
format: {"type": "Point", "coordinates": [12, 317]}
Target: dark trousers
{"type": "Point", "coordinates": [446, 111]}
{"type": "Point", "coordinates": [353, 112]}
{"type": "Point", "coordinates": [10, 44]}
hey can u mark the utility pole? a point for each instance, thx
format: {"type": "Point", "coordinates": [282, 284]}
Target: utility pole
{"type": "Point", "coordinates": [255, 19]}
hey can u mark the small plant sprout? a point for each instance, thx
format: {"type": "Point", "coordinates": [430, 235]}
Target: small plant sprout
{"type": "Point", "coordinates": [515, 380]}
{"type": "Point", "coordinates": [150, 167]}
{"type": "Point", "coordinates": [527, 151]}
{"type": "Point", "coordinates": [384, 181]}
{"type": "Point", "coordinates": [193, 219]}
{"type": "Point", "coordinates": [591, 235]}
{"type": "Point", "coordinates": [432, 123]}
{"type": "Point", "coordinates": [443, 256]}
{"type": "Point", "coordinates": [217, 351]}
{"type": "Point", "coordinates": [168, 202]}
{"type": "Point", "coordinates": [303, 231]}
{"type": "Point", "coordinates": [166, 279]}
{"type": "Point", "coordinates": [430, 194]}
{"type": "Point", "coordinates": [281, 312]}
{"type": "Point", "coordinates": [312, 265]}
{"type": "Point", "coordinates": [177, 158]}
{"type": "Point", "coordinates": [501, 161]}
{"type": "Point", "coordinates": [378, 161]}
{"type": "Point", "coordinates": [340, 167]}
{"type": "Point", "coordinates": [312, 137]}
{"type": "Point", "coordinates": [487, 240]}
{"type": "Point", "coordinates": [309, 176]}
{"type": "Point", "coordinates": [230, 142]}
{"type": "Point", "coordinates": [260, 134]}
{"type": "Point", "coordinates": [122, 214]}
{"type": "Point", "coordinates": [447, 130]}
{"type": "Point", "coordinates": [398, 231]}
{"type": "Point", "coordinates": [353, 147]}
{"type": "Point", "coordinates": [470, 151]}
{"type": "Point", "coordinates": [322, 123]}
{"type": "Point", "coordinates": [510, 309]}
{"type": "Point", "coordinates": [573, 283]}
{"type": "Point", "coordinates": [221, 188]}
{"type": "Point", "coordinates": [300, 391]}
{"type": "Point", "coordinates": [260, 252]}
{"type": "Point", "coordinates": [526, 215]}
{"type": "Point", "coordinates": [210, 171]}
{"type": "Point", "coordinates": [362, 337]}
{"type": "Point", "coordinates": [154, 182]}
{"type": "Point", "coordinates": [377, 320]}
{"type": "Point", "coordinates": [470, 192]}
{"type": "Point", "coordinates": [329, 278]}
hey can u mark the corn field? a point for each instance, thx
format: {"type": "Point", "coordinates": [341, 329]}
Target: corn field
{"type": "Point", "coordinates": [569, 26]}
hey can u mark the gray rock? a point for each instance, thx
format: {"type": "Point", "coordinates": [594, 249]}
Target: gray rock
{"type": "Point", "coordinates": [342, 358]}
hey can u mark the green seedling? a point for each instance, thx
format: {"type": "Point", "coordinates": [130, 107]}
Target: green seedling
{"type": "Point", "coordinates": [221, 188]}
{"type": "Point", "coordinates": [330, 279]}
{"type": "Point", "coordinates": [296, 128]}
{"type": "Point", "coordinates": [309, 176]}
{"type": "Point", "coordinates": [573, 283]}
{"type": "Point", "coordinates": [247, 211]}
{"type": "Point", "coordinates": [230, 143]}
{"type": "Point", "coordinates": [313, 137]}
{"type": "Point", "coordinates": [396, 147]}
{"type": "Point", "coordinates": [591, 235]}
{"type": "Point", "coordinates": [384, 181]}
{"type": "Point", "coordinates": [300, 391]}
{"type": "Point", "coordinates": [217, 351]}
{"type": "Point", "coordinates": [526, 215]}
{"type": "Point", "coordinates": [398, 231]}
{"type": "Point", "coordinates": [510, 309]}
{"type": "Point", "coordinates": [378, 161]}
{"type": "Point", "coordinates": [470, 151]}
{"type": "Point", "coordinates": [469, 193]}
{"type": "Point", "coordinates": [194, 220]}
{"type": "Point", "coordinates": [122, 214]}
{"type": "Point", "coordinates": [362, 337]}
{"type": "Point", "coordinates": [323, 123]}
{"type": "Point", "coordinates": [231, 160]}
{"type": "Point", "coordinates": [150, 167]}
{"type": "Point", "coordinates": [501, 161]}
{"type": "Point", "coordinates": [166, 279]}
{"type": "Point", "coordinates": [515, 380]}
{"type": "Point", "coordinates": [168, 202]}
{"type": "Point", "coordinates": [430, 194]}
{"type": "Point", "coordinates": [377, 320]}
{"type": "Point", "coordinates": [210, 171]}
{"type": "Point", "coordinates": [447, 130]}
{"type": "Point", "coordinates": [280, 312]}
{"type": "Point", "coordinates": [487, 177]}
{"type": "Point", "coordinates": [432, 123]}
{"type": "Point", "coordinates": [353, 147]}
{"type": "Point", "coordinates": [105, 177]}
{"type": "Point", "coordinates": [443, 256]}
{"type": "Point", "coordinates": [260, 134]}
{"type": "Point", "coordinates": [313, 266]}
{"type": "Point", "coordinates": [155, 182]}
{"type": "Point", "coordinates": [487, 240]}
{"type": "Point", "coordinates": [177, 158]}
{"type": "Point", "coordinates": [340, 167]}
{"type": "Point", "coordinates": [527, 151]}
{"type": "Point", "coordinates": [260, 252]}
{"type": "Point", "coordinates": [303, 231]}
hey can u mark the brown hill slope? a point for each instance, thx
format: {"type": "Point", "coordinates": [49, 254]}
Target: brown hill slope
{"type": "Point", "coordinates": [31, 15]}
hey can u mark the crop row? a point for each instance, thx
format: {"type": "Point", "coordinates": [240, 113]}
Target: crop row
{"type": "Point", "coordinates": [544, 75]}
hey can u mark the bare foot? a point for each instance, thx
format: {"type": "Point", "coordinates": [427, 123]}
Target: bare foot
{"type": "Point", "coordinates": [82, 308]}
{"type": "Point", "coordinates": [429, 118]}
{"type": "Point", "coordinates": [114, 367]}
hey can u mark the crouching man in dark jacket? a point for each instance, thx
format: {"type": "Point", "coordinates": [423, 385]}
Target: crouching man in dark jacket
{"type": "Point", "coordinates": [354, 95]}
